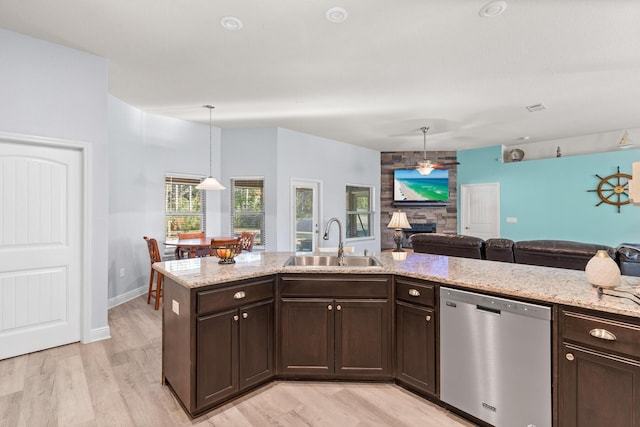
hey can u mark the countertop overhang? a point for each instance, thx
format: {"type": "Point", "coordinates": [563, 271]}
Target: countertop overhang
{"type": "Point", "coordinates": [542, 284]}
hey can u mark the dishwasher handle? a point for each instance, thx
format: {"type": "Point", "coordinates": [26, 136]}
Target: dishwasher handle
{"type": "Point", "coordinates": [488, 309]}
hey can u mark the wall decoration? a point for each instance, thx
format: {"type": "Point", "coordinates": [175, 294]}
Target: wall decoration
{"type": "Point", "coordinates": [613, 189]}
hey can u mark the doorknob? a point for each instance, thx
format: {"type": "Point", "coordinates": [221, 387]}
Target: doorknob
{"type": "Point", "coordinates": [467, 228]}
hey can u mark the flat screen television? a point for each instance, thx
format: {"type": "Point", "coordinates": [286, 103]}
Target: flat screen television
{"type": "Point", "coordinates": [409, 187]}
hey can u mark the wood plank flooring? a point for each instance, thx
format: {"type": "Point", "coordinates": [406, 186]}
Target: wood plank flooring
{"type": "Point", "coordinates": [116, 382]}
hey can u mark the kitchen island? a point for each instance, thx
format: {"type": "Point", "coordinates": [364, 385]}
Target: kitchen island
{"type": "Point", "coordinates": [229, 328]}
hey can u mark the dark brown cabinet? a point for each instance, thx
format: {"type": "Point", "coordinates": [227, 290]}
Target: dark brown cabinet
{"type": "Point", "coordinates": [416, 335]}
{"type": "Point", "coordinates": [599, 370]}
{"type": "Point", "coordinates": [345, 337]}
{"type": "Point", "coordinates": [234, 351]}
{"type": "Point", "coordinates": [218, 341]}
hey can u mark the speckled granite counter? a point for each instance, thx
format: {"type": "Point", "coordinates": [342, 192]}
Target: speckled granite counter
{"type": "Point", "coordinates": [551, 285]}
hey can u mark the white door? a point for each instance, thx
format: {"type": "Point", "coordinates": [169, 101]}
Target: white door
{"type": "Point", "coordinates": [305, 215]}
{"type": "Point", "coordinates": [480, 210]}
{"type": "Point", "coordinates": [40, 247]}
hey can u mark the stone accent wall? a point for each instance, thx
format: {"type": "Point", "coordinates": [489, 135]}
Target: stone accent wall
{"type": "Point", "coordinates": [445, 217]}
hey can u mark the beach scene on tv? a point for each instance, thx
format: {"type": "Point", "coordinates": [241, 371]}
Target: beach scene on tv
{"type": "Point", "coordinates": [410, 186]}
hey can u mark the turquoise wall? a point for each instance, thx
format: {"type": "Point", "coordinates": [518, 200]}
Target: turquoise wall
{"type": "Point", "coordinates": [549, 197]}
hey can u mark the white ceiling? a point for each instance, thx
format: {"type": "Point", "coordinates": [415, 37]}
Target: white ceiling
{"type": "Point", "coordinates": [373, 80]}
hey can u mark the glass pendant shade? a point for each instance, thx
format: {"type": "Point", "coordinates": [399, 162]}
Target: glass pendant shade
{"type": "Point", "coordinates": [210, 184]}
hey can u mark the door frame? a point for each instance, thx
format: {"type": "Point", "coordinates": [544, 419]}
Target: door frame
{"type": "Point", "coordinates": [85, 228]}
{"type": "Point", "coordinates": [307, 183]}
{"type": "Point", "coordinates": [464, 214]}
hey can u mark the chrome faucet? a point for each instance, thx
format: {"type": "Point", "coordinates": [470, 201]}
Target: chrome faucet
{"type": "Point", "coordinates": [340, 244]}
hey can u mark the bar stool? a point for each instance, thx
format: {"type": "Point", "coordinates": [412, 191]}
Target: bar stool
{"type": "Point", "coordinates": [154, 256]}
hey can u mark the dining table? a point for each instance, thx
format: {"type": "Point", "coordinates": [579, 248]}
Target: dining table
{"type": "Point", "coordinates": [197, 245]}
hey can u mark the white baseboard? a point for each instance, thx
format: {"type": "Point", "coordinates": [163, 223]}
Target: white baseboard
{"type": "Point", "coordinates": [127, 296]}
{"type": "Point", "coordinates": [97, 334]}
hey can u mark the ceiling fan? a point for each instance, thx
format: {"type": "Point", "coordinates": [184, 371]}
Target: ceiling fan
{"type": "Point", "coordinates": [425, 167]}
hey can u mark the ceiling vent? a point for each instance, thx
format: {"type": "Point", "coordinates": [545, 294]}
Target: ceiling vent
{"type": "Point", "coordinates": [536, 107]}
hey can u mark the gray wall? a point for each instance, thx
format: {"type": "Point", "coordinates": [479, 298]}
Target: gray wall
{"type": "Point", "coordinates": [143, 148]}
{"type": "Point", "coordinates": [56, 92]}
{"type": "Point", "coordinates": [335, 164]}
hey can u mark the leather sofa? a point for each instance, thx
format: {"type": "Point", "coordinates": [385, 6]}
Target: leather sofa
{"type": "Point", "coordinates": [549, 253]}
{"type": "Point", "coordinates": [448, 244]}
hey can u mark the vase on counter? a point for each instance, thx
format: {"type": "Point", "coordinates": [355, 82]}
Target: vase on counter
{"type": "Point", "coordinates": [602, 271]}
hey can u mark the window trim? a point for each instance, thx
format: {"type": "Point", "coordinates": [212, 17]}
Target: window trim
{"type": "Point", "coordinates": [371, 211]}
{"type": "Point", "coordinates": [203, 201]}
{"type": "Point", "coordinates": [232, 186]}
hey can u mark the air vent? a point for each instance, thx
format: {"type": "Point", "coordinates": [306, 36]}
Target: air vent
{"type": "Point", "coordinates": [536, 107]}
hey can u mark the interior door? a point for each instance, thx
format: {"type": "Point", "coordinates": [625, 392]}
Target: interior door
{"type": "Point", "coordinates": [40, 247]}
{"type": "Point", "coordinates": [305, 217]}
{"type": "Point", "coordinates": [480, 210]}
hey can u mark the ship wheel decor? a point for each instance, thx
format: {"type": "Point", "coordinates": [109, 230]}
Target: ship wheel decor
{"type": "Point", "coordinates": [613, 189]}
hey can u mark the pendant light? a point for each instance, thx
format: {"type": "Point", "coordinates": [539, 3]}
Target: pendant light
{"type": "Point", "coordinates": [210, 183]}
{"type": "Point", "coordinates": [425, 167]}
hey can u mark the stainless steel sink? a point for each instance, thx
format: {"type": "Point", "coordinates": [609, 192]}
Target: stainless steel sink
{"type": "Point", "coordinates": [332, 261]}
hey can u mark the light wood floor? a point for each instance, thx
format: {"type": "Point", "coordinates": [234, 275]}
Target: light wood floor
{"type": "Point", "coordinates": [116, 382]}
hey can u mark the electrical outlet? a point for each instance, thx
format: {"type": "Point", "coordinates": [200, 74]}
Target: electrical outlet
{"type": "Point", "coordinates": [511, 219]}
{"type": "Point", "coordinates": [121, 271]}
{"type": "Point", "coordinates": [175, 306]}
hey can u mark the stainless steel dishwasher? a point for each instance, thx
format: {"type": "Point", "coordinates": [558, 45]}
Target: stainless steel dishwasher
{"type": "Point", "coordinates": [495, 358]}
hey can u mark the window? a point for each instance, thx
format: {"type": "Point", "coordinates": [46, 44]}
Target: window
{"type": "Point", "coordinates": [184, 206]}
{"type": "Point", "coordinates": [359, 212]}
{"type": "Point", "coordinates": [247, 208]}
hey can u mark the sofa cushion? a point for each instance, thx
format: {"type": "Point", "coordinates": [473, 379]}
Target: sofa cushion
{"type": "Point", "coordinates": [499, 250]}
{"type": "Point", "coordinates": [557, 253]}
{"type": "Point", "coordinates": [629, 259]}
{"type": "Point", "coordinates": [448, 244]}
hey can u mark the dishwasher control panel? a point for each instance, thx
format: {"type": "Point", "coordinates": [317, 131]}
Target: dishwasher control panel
{"type": "Point", "coordinates": [495, 305]}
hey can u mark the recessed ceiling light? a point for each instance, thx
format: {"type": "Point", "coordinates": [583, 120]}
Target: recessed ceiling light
{"type": "Point", "coordinates": [336, 15]}
{"type": "Point", "coordinates": [231, 23]}
{"type": "Point", "coordinates": [492, 9]}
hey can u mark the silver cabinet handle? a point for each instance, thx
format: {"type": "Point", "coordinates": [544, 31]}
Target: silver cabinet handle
{"type": "Point", "coordinates": [235, 318]}
{"type": "Point", "coordinates": [428, 318]}
{"type": "Point", "coordinates": [239, 295]}
{"type": "Point", "coordinates": [329, 307]}
{"type": "Point", "coordinates": [414, 292]}
{"type": "Point", "coordinates": [569, 357]}
{"type": "Point", "coordinates": [602, 334]}
{"type": "Point", "coordinates": [245, 315]}
{"type": "Point", "coordinates": [338, 307]}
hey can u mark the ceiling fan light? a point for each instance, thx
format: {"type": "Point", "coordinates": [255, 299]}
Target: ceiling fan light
{"type": "Point", "coordinates": [425, 168]}
{"type": "Point", "coordinates": [210, 183]}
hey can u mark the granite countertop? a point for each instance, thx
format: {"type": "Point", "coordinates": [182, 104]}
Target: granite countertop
{"type": "Point", "coordinates": [543, 284]}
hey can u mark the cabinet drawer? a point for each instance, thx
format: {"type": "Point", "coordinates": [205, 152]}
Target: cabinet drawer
{"type": "Point", "coordinates": [415, 292]}
{"type": "Point", "coordinates": [594, 331]}
{"type": "Point", "coordinates": [217, 299]}
{"type": "Point", "coordinates": [343, 286]}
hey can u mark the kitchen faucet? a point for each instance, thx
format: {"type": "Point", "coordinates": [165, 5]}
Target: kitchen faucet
{"type": "Point", "coordinates": [340, 244]}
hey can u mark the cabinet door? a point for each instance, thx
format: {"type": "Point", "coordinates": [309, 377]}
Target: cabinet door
{"type": "Point", "coordinates": [363, 332]}
{"type": "Point", "coordinates": [306, 337]}
{"type": "Point", "coordinates": [416, 346]}
{"type": "Point", "coordinates": [216, 357]}
{"type": "Point", "coordinates": [598, 389]}
{"type": "Point", "coordinates": [256, 343]}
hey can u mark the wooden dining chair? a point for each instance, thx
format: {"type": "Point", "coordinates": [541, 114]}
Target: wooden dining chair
{"type": "Point", "coordinates": [182, 253]}
{"type": "Point", "coordinates": [154, 256]}
{"type": "Point", "coordinates": [246, 241]}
